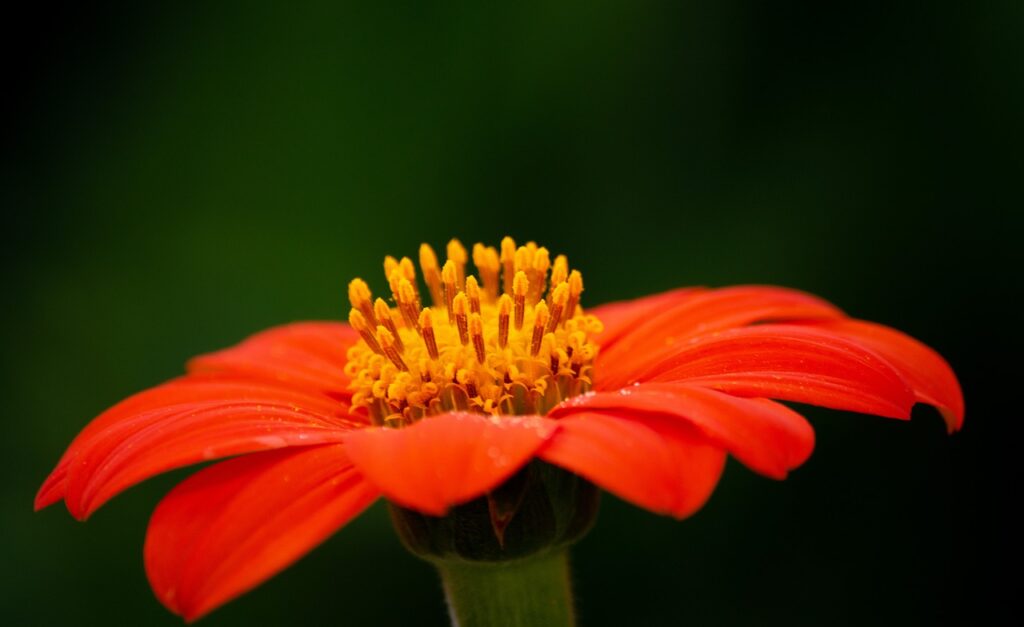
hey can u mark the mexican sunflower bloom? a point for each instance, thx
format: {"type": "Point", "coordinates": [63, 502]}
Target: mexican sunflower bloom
{"type": "Point", "coordinates": [487, 409]}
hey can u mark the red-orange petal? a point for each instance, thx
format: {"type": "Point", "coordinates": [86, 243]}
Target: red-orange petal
{"type": "Point", "coordinates": [310, 355]}
{"type": "Point", "coordinates": [620, 317]}
{"type": "Point", "coordinates": [931, 377]}
{"type": "Point", "coordinates": [786, 362]}
{"type": "Point", "coordinates": [448, 459]}
{"type": "Point", "coordinates": [663, 325]}
{"type": "Point", "coordinates": [233, 525]}
{"type": "Point", "coordinates": [657, 463]}
{"type": "Point", "coordinates": [188, 420]}
{"type": "Point", "coordinates": [765, 436]}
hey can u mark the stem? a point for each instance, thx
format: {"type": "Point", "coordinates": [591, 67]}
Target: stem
{"type": "Point", "coordinates": [533, 592]}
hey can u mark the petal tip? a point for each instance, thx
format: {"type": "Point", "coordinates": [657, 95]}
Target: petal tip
{"type": "Point", "coordinates": [43, 499]}
{"type": "Point", "coordinates": [954, 419]}
{"type": "Point", "coordinates": [77, 512]}
{"type": "Point", "coordinates": [52, 489]}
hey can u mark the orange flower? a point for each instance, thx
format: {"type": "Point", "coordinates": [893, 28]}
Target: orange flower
{"type": "Point", "coordinates": [434, 407]}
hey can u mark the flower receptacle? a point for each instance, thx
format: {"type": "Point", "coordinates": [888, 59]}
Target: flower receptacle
{"type": "Point", "coordinates": [541, 508]}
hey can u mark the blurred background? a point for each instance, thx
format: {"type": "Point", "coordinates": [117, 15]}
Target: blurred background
{"type": "Point", "coordinates": [175, 179]}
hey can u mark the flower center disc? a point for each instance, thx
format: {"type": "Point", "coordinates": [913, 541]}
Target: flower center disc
{"type": "Point", "coordinates": [513, 342]}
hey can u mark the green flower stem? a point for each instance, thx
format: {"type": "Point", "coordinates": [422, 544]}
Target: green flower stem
{"type": "Point", "coordinates": [534, 592]}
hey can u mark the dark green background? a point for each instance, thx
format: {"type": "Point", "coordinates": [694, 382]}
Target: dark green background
{"type": "Point", "coordinates": [174, 180]}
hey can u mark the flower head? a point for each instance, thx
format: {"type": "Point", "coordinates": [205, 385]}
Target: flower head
{"type": "Point", "coordinates": [439, 395]}
{"type": "Point", "coordinates": [518, 352]}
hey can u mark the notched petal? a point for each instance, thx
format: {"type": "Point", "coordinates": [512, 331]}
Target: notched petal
{"type": "Point", "coordinates": [930, 376]}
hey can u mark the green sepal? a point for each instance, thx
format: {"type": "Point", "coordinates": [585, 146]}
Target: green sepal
{"type": "Point", "coordinates": [542, 508]}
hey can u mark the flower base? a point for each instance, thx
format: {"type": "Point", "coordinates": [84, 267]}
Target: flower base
{"type": "Point", "coordinates": [503, 556]}
{"type": "Point", "coordinates": [540, 509]}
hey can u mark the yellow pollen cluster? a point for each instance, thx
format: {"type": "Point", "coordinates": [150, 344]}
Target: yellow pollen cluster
{"type": "Point", "coordinates": [514, 341]}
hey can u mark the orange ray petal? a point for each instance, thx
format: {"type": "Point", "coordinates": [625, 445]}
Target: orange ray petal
{"type": "Point", "coordinates": [620, 317]}
{"type": "Point", "coordinates": [310, 355]}
{"type": "Point", "coordinates": [448, 459]}
{"type": "Point", "coordinates": [657, 463]}
{"type": "Point", "coordinates": [766, 436]}
{"type": "Point", "coordinates": [664, 325]}
{"type": "Point", "coordinates": [187, 420]}
{"type": "Point", "coordinates": [786, 362]}
{"type": "Point", "coordinates": [928, 373]}
{"type": "Point", "coordinates": [231, 526]}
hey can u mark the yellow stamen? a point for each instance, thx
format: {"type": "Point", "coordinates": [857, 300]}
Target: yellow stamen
{"type": "Point", "coordinates": [540, 321]}
{"type": "Point", "coordinates": [485, 258]}
{"type": "Point", "coordinates": [383, 313]}
{"type": "Point", "coordinates": [524, 260]}
{"type": "Point", "coordinates": [427, 329]}
{"type": "Point", "coordinates": [457, 255]}
{"type": "Point", "coordinates": [559, 299]}
{"type": "Point", "coordinates": [520, 285]}
{"type": "Point", "coordinates": [390, 347]}
{"type": "Point", "coordinates": [358, 322]}
{"type": "Point", "coordinates": [361, 298]}
{"type": "Point", "coordinates": [504, 311]}
{"type": "Point", "coordinates": [431, 273]}
{"type": "Point", "coordinates": [473, 294]}
{"type": "Point", "coordinates": [508, 262]}
{"type": "Point", "coordinates": [538, 273]}
{"type": "Point", "coordinates": [408, 304]}
{"type": "Point", "coordinates": [559, 272]}
{"type": "Point", "coordinates": [460, 306]}
{"type": "Point", "coordinates": [450, 282]}
{"type": "Point", "coordinates": [390, 264]}
{"type": "Point", "coordinates": [476, 331]}
{"type": "Point", "coordinates": [409, 272]}
{"type": "Point", "coordinates": [394, 280]}
{"type": "Point", "coordinates": [575, 289]}
{"type": "Point", "coordinates": [513, 352]}
{"type": "Point", "coordinates": [408, 269]}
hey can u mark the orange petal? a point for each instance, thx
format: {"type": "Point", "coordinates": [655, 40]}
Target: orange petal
{"type": "Point", "coordinates": [654, 462]}
{"type": "Point", "coordinates": [621, 317]}
{"type": "Point", "coordinates": [786, 362]}
{"type": "Point", "coordinates": [666, 324]}
{"type": "Point", "coordinates": [928, 373]}
{"type": "Point", "coordinates": [448, 459]}
{"type": "Point", "coordinates": [311, 355]}
{"type": "Point", "coordinates": [187, 420]}
{"type": "Point", "coordinates": [766, 436]}
{"type": "Point", "coordinates": [231, 526]}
